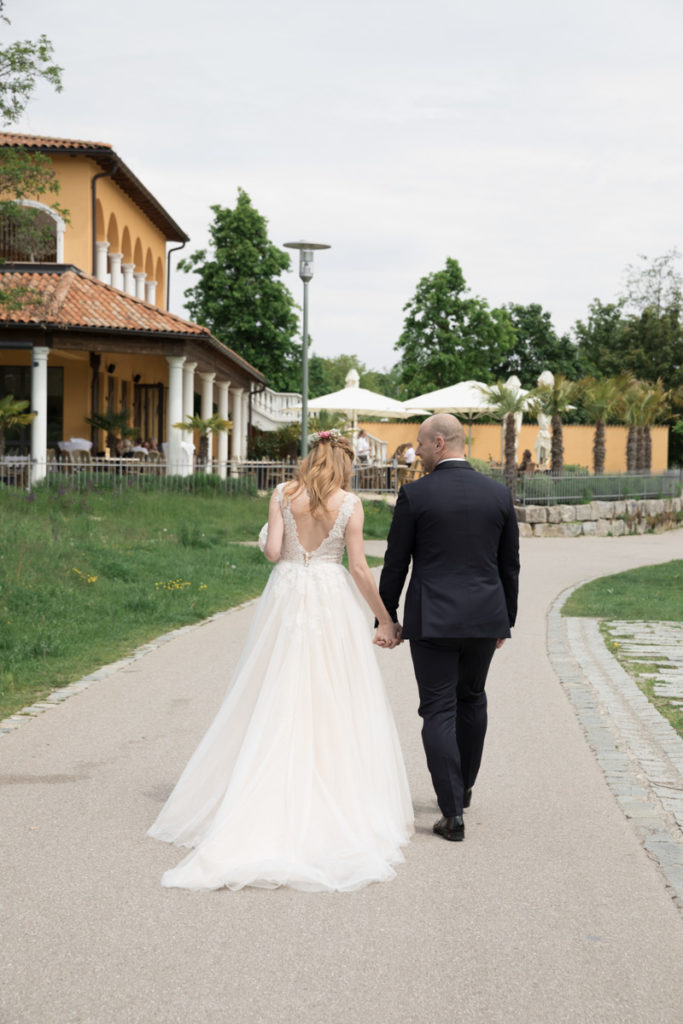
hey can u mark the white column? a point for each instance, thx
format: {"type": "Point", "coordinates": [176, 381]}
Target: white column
{"type": "Point", "coordinates": [245, 423]}
{"type": "Point", "coordinates": [188, 397]}
{"type": "Point", "coordinates": [139, 284]}
{"type": "Point", "coordinates": [174, 452]}
{"type": "Point", "coordinates": [115, 269]}
{"type": "Point", "coordinates": [222, 445]}
{"type": "Point", "coordinates": [39, 407]}
{"type": "Point", "coordinates": [151, 292]}
{"type": "Point", "coordinates": [207, 380]}
{"type": "Point", "coordinates": [101, 260]}
{"type": "Point", "coordinates": [236, 399]}
{"type": "Point", "coordinates": [128, 279]}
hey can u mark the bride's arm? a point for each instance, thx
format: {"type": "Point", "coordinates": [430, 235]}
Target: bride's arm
{"type": "Point", "coordinates": [276, 527]}
{"type": "Point", "coordinates": [363, 578]}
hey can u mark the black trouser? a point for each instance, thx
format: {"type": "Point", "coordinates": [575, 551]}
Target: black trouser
{"type": "Point", "coordinates": [451, 675]}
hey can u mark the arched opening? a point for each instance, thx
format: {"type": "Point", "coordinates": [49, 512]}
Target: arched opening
{"type": "Point", "coordinates": [31, 232]}
{"type": "Point", "coordinates": [137, 255]}
{"type": "Point", "coordinates": [113, 234]}
{"type": "Point", "coordinates": [161, 288]}
{"type": "Point", "coordinates": [149, 266]}
{"type": "Point", "coordinates": [126, 246]}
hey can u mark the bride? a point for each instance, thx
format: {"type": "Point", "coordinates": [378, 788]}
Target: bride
{"type": "Point", "coordinates": [300, 781]}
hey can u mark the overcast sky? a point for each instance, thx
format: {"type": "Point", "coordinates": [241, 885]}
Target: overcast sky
{"type": "Point", "coordinates": [539, 144]}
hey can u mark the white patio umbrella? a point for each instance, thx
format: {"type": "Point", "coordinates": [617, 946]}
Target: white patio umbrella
{"type": "Point", "coordinates": [355, 401]}
{"type": "Point", "coordinates": [465, 397]}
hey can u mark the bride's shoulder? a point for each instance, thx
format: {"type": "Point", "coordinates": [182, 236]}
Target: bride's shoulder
{"type": "Point", "coordinates": [349, 499]}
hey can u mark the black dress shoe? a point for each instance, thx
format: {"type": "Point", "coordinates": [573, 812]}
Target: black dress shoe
{"type": "Point", "coordinates": [450, 828]}
{"type": "Point", "coordinates": [467, 799]}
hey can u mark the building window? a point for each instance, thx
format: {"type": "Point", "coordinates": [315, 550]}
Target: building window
{"type": "Point", "coordinates": [16, 381]}
{"type": "Point", "coordinates": [30, 233]}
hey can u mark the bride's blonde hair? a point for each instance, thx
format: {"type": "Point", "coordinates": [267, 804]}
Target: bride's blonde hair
{"type": "Point", "coordinates": [326, 469]}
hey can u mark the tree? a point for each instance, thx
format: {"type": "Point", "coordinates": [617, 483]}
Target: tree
{"type": "Point", "coordinates": [239, 295]}
{"type": "Point", "coordinates": [449, 335]}
{"type": "Point", "coordinates": [654, 284]}
{"type": "Point", "coordinates": [554, 400]}
{"type": "Point", "coordinates": [507, 404]}
{"type": "Point", "coordinates": [205, 428]}
{"type": "Point", "coordinates": [538, 347]}
{"type": "Point", "coordinates": [22, 64]}
{"type": "Point", "coordinates": [12, 415]}
{"type": "Point", "coordinates": [25, 175]}
{"type": "Point", "coordinates": [327, 374]}
{"type": "Point", "coordinates": [601, 339]}
{"type": "Point", "coordinates": [601, 398]}
{"type": "Point", "coordinates": [643, 330]}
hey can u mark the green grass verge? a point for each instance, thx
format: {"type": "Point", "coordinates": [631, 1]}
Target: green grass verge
{"type": "Point", "coordinates": [85, 578]}
{"type": "Point", "coordinates": [653, 593]}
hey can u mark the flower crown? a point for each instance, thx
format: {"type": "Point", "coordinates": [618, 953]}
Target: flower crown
{"type": "Point", "coordinates": [334, 436]}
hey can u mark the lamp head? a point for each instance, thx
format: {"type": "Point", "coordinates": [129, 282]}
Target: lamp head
{"type": "Point", "coordinates": [306, 252]}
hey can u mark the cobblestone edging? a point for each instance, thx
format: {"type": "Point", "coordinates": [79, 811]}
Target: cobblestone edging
{"type": "Point", "coordinates": [640, 753]}
{"type": "Point", "coordinates": [600, 518]}
{"type": "Point", "coordinates": [59, 695]}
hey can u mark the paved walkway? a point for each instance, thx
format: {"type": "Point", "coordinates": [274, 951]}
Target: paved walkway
{"type": "Point", "coordinates": [557, 907]}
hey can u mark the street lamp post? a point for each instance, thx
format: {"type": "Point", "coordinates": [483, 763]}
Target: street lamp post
{"type": "Point", "coordinates": [306, 251]}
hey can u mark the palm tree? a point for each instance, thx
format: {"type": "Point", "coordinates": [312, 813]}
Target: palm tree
{"type": "Point", "coordinates": [12, 415]}
{"type": "Point", "coordinates": [601, 398]}
{"type": "Point", "coordinates": [326, 420]}
{"type": "Point", "coordinates": [554, 400]}
{"type": "Point", "coordinates": [506, 404]}
{"type": "Point", "coordinates": [114, 424]}
{"type": "Point", "coordinates": [205, 428]}
{"type": "Point", "coordinates": [656, 404]}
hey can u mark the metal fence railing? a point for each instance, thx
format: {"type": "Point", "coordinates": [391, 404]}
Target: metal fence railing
{"type": "Point", "coordinates": [547, 489]}
{"type": "Point", "coordinates": [80, 472]}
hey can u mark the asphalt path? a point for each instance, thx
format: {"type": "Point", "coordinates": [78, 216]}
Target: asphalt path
{"type": "Point", "coordinates": [549, 912]}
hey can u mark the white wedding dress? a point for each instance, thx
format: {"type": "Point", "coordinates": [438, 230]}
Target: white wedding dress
{"type": "Point", "coordinates": [300, 779]}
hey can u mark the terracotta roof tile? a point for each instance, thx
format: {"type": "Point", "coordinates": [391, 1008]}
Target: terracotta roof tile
{"type": "Point", "coordinates": [65, 298]}
{"type": "Point", "coordinates": [47, 142]}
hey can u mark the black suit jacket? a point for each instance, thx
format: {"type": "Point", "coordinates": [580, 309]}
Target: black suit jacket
{"type": "Point", "coordinates": [460, 529]}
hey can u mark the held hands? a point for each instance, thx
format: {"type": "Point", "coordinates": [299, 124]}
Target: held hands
{"type": "Point", "coordinates": [388, 636]}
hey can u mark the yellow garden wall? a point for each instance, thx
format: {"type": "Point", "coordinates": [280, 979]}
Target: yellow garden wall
{"type": "Point", "coordinates": [578, 442]}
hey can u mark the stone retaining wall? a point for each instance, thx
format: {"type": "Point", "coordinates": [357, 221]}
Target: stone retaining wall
{"type": "Point", "coordinates": [600, 518]}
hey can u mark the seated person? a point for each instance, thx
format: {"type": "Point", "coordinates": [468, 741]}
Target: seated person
{"type": "Point", "coordinates": [527, 465]}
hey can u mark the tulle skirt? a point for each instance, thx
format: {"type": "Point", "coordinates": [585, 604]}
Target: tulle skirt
{"type": "Point", "coordinates": [300, 780]}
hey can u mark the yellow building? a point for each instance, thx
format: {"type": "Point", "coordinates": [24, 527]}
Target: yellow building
{"type": "Point", "coordinates": [93, 334]}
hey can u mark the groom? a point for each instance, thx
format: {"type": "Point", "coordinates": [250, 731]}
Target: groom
{"type": "Point", "coordinates": [460, 529]}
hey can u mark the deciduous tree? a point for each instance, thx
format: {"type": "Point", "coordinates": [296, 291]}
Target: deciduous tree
{"type": "Point", "coordinates": [239, 296]}
{"type": "Point", "coordinates": [450, 335]}
{"type": "Point", "coordinates": [538, 346]}
{"type": "Point", "coordinates": [25, 175]}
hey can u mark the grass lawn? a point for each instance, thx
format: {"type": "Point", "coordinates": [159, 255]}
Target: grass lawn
{"type": "Point", "coordinates": [653, 593]}
{"type": "Point", "coordinates": [87, 578]}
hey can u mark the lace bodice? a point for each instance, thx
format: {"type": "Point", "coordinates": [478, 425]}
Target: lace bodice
{"type": "Point", "coordinates": [331, 549]}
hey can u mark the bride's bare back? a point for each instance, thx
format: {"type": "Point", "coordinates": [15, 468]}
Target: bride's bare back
{"type": "Point", "coordinates": [312, 530]}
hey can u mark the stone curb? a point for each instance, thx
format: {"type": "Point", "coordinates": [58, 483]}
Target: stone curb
{"type": "Point", "coordinates": [60, 694]}
{"type": "Point", "coordinates": [639, 752]}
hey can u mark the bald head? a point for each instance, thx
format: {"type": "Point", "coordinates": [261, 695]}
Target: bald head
{"type": "Point", "coordinates": [450, 429]}
{"type": "Point", "coordinates": [440, 437]}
